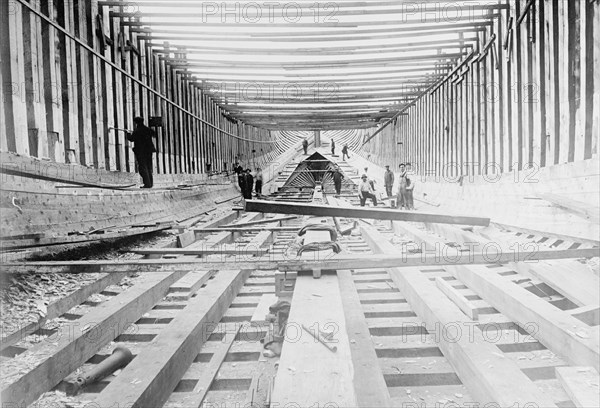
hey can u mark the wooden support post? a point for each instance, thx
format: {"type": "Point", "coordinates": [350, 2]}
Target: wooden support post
{"type": "Point", "coordinates": [17, 132]}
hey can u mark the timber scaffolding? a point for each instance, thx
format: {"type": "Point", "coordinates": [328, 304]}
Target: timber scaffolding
{"type": "Point", "coordinates": [414, 308]}
{"type": "Point", "coordinates": [488, 293]}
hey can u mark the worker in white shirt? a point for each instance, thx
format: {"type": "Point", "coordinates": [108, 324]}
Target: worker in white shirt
{"type": "Point", "coordinates": [371, 181]}
{"type": "Point", "coordinates": [410, 186]}
{"type": "Point", "coordinates": [366, 191]}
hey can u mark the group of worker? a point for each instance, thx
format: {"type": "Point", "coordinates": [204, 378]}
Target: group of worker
{"type": "Point", "coordinates": [247, 182]}
{"type": "Point", "coordinates": [344, 149]}
{"type": "Point", "coordinates": [404, 195]}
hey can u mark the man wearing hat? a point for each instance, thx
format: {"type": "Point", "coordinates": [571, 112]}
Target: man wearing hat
{"type": "Point", "coordinates": [402, 185]}
{"type": "Point", "coordinates": [366, 191]}
{"type": "Point", "coordinates": [143, 150]}
{"type": "Point", "coordinates": [337, 180]}
{"type": "Point", "coordinates": [388, 180]}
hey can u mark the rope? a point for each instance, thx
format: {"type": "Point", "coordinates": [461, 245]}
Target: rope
{"type": "Point", "coordinates": [320, 246]}
{"type": "Point", "coordinates": [319, 227]}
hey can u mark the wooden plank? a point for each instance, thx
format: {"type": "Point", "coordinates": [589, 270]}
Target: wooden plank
{"type": "Point", "coordinates": [570, 278]}
{"type": "Point", "coordinates": [262, 309]}
{"type": "Point", "coordinates": [556, 329]}
{"type": "Point", "coordinates": [187, 286]}
{"type": "Point", "coordinates": [259, 222]}
{"type": "Point", "coordinates": [63, 305]}
{"type": "Point", "coordinates": [335, 262]}
{"type": "Point", "coordinates": [325, 377]}
{"type": "Point", "coordinates": [197, 395]}
{"type": "Point", "coordinates": [186, 239]}
{"type": "Point", "coordinates": [581, 385]}
{"type": "Point", "coordinates": [107, 321]}
{"type": "Point", "coordinates": [470, 355]}
{"type": "Point", "coordinates": [240, 229]}
{"type": "Point", "coordinates": [577, 207]}
{"type": "Point", "coordinates": [327, 211]}
{"type": "Point", "coordinates": [369, 384]}
{"type": "Point", "coordinates": [209, 250]}
{"type": "Point", "coordinates": [150, 378]}
{"type": "Point", "coordinates": [459, 300]}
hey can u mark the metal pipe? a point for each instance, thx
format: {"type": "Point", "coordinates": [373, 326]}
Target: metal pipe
{"type": "Point", "coordinates": [120, 357]}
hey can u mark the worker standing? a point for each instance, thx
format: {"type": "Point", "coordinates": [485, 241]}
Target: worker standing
{"type": "Point", "coordinates": [402, 184]}
{"type": "Point", "coordinates": [305, 146]}
{"type": "Point", "coordinates": [239, 170]}
{"type": "Point", "coordinates": [388, 180]}
{"type": "Point", "coordinates": [365, 191]}
{"type": "Point", "coordinates": [332, 147]}
{"type": "Point", "coordinates": [345, 152]}
{"type": "Point", "coordinates": [143, 150]}
{"type": "Point", "coordinates": [337, 180]}
{"type": "Point", "coordinates": [259, 181]}
{"type": "Point", "coordinates": [248, 184]}
{"type": "Point", "coordinates": [410, 186]}
{"type": "Point", "coordinates": [371, 181]}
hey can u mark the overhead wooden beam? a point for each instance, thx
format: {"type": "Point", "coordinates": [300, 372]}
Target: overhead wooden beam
{"type": "Point", "coordinates": [383, 214]}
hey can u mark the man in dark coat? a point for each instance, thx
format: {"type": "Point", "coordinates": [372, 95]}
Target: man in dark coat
{"type": "Point", "coordinates": [248, 185]}
{"type": "Point", "coordinates": [332, 147]}
{"type": "Point", "coordinates": [305, 146]}
{"type": "Point", "coordinates": [345, 152]}
{"type": "Point", "coordinates": [337, 181]}
{"type": "Point", "coordinates": [143, 150]}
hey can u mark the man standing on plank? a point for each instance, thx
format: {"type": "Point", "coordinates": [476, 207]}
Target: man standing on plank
{"type": "Point", "coordinates": [337, 180]}
{"type": "Point", "coordinates": [402, 184]}
{"type": "Point", "coordinates": [143, 150]}
{"type": "Point", "coordinates": [259, 181]}
{"type": "Point", "coordinates": [410, 186]}
{"type": "Point", "coordinates": [388, 180]}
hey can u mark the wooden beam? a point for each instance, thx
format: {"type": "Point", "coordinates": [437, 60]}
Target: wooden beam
{"type": "Point", "coordinates": [209, 249]}
{"type": "Point", "coordinates": [459, 300]}
{"type": "Point", "coordinates": [562, 333]}
{"type": "Point", "coordinates": [581, 385]}
{"type": "Point", "coordinates": [259, 222]}
{"type": "Point", "coordinates": [327, 211]}
{"type": "Point", "coordinates": [69, 352]}
{"type": "Point", "coordinates": [470, 355]}
{"type": "Point", "coordinates": [369, 383]}
{"type": "Point", "coordinates": [162, 363]}
{"type": "Point", "coordinates": [325, 377]}
{"type": "Point", "coordinates": [195, 397]}
{"type": "Point", "coordinates": [450, 257]}
{"type": "Point", "coordinates": [577, 207]}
